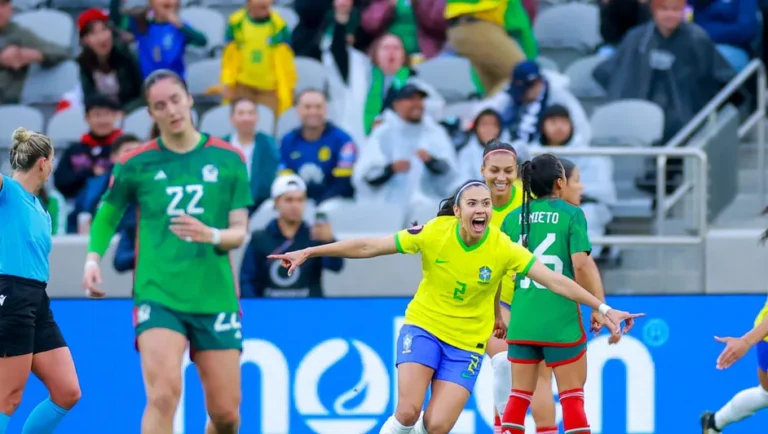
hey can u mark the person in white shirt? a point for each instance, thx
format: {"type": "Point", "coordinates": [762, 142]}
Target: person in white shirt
{"type": "Point", "coordinates": [259, 149]}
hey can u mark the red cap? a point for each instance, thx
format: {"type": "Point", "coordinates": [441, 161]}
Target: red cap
{"type": "Point", "coordinates": [91, 15]}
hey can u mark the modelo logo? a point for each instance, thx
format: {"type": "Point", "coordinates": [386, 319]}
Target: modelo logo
{"type": "Point", "coordinates": [379, 383]}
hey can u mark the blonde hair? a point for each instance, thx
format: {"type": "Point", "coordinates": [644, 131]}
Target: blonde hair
{"type": "Point", "coordinates": [27, 147]}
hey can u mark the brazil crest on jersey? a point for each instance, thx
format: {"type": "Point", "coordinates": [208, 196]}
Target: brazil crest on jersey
{"type": "Point", "coordinates": [539, 316]}
{"type": "Point", "coordinates": [206, 183]}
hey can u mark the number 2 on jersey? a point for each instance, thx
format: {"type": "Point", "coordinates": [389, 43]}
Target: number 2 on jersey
{"type": "Point", "coordinates": [177, 194]}
{"type": "Point", "coordinates": [551, 261]}
{"type": "Point", "coordinates": [458, 293]}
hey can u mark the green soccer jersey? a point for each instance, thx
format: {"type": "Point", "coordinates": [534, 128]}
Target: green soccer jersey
{"type": "Point", "coordinates": [539, 316]}
{"type": "Point", "coordinates": [206, 183]}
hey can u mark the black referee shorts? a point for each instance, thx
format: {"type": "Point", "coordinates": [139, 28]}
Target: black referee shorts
{"type": "Point", "coordinates": [26, 320]}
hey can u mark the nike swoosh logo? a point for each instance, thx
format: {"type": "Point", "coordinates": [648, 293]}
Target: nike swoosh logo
{"type": "Point", "coordinates": [440, 261]}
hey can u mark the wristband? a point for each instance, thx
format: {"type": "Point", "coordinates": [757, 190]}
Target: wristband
{"type": "Point", "coordinates": [604, 308]}
{"type": "Point", "coordinates": [215, 236]}
{"type": "Point", "coordinates": [90, 264]}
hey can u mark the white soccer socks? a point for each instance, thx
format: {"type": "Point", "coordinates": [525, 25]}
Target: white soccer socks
{"type": "Point", "coordinates": [741, 406]}
{"type": "Point", "coordinates": [502, 380]}
{"type": "Point", "coordinates": [393, 426]}
{"type": "Point", "coordinates": [419, 428]}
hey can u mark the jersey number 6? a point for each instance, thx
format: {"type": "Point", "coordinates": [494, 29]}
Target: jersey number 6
{"type": "Point", "coordinates": [551, 261]}
{"type": "Point", "coordinates": [177, 194]}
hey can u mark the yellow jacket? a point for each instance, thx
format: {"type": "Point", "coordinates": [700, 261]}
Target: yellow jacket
{"type": "Point", "coordinates": [486, 10]}
{"type": "Point", "coordinates": [234, 57]}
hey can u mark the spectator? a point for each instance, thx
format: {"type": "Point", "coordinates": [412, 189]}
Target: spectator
{"type": "Point", "coordinates": [261, 155]}
{"type": "Point", "coordinates": [617, 17]}
{"type": "Point", "coordinates": [258, 62]}
{"type": "Point", "coordinates": [261, 277]}
{"type": "Point", "coordinates": [479, 31]}
{"type": "Point", "coordinates": [90, 157]}
{"type": "Point", "coordinates": [732, 25]}
{"type": "Point", "coordinates": [371, 85]}
{"type": "Point", "coordinates": [318, 151]}
{"type": "Point", "coordinates": [527, 98]}
{"type": "Point", "coordinates": [319, 25]}
{"type": "Point", "coordinates": [596, 171]}
{"type": "Point", "coordinates": [678, 66]}
{"type": "Point", "coordinates": [20, 48]}
{"type": "Point", "coordinates": [107, 67]}
{"type": "Point", "coordinates": [419, 24]}
{"type": "Point", "coordinates": [486, 127]}
{"type": "Point", "coordinates": [409, 157]}
{"type": "Point", "coordinates": [160, 35]}
{"type": "Point", "coordinates": [87, 200]}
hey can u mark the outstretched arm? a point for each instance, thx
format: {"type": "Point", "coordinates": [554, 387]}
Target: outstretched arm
{"type": "Point", "coordinates": [356, 248]}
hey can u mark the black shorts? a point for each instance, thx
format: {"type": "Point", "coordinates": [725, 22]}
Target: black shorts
{"type": "Point", "coordinates": [26, 320]}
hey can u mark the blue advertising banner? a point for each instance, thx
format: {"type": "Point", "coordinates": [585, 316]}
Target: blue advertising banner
{"type": "Point", "coordinates": [326, 366]}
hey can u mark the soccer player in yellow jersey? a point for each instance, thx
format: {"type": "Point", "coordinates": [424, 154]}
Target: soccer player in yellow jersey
{"type": "Point", "coordinates": [748, 401]}
{"type": "Point", "coordinates": [456, 307]}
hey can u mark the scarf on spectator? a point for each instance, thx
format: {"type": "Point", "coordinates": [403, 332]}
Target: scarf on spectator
{"type": "Point", "coordinates": [524, 120]}
{"type": "Point", "coordinates": [375, 101]}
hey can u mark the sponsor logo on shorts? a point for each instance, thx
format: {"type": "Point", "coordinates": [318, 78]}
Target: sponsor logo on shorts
{"type": "Point", "coordinates": [142, 314]}
{"type": "Point", "coordinates": [407, 342]}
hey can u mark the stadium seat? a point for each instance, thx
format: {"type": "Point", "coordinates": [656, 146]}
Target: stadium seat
{"type": "Point", "coordinates": [216, 121]}
{"type": "Point", "coordinates": [26, 5]}
{"type": "Point", "coordinates": [583, 85]}
{"type": "Point", "coordinates": [450, 76]}
{"type": "Point", "coordinates": [630, 122]}
{"type": "Point", "coordinates": [210, 22]}
{"type": "Point", "coordinates": [14, 116]}
{"type": "Point", "coordinates": [203, 75]}
{"type": "Point", "coordinates": [67, 126]}
{"type": "Point", "coordinates": [287, 122]}
{"type": "Point", "coordinates": [289, 15]}
{"type": "Point", "coordinates": [138, 123]}
{"type": "Point", "coordinates": [547, 64]}
{"type": "Point", "coordinates": [47, 85]}
{"type": "Point", "coordinates": [366, 217]}
{"type": "Point", "coordinates": [312, 75]}
{"type": "Point", "coordinates": [567, 32]}
{"type": "Point", "coordinates": [50, 24]}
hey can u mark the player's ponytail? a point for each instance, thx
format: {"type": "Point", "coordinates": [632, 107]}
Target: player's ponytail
{"type": "Point", "coordinates": [525, 208]}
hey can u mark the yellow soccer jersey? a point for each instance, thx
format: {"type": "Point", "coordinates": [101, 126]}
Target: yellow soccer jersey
{"type": "Point", "coordinates": [763, 313]}
{"type": "Point", "coordinates": [497, 218]}
{"type": "Point", "coordinates": [455, 299]}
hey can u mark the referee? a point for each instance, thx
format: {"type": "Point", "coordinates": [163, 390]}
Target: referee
{"type": "Point", "coordinates": [30, 340]}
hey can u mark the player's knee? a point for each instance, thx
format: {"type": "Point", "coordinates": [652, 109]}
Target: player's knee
{"type": "Point", "coordinates": [225, 420]}
{"type": "Point", "coordinates": [66, 396]}
{"type": "Point", "coordinates": [407, 414]}
{"type": "Point", "coordinates": [164, 398]}
{"type": "Point", "coordinates": [438, 425]}
{"type": "Point", "coordinates": [10, 400]}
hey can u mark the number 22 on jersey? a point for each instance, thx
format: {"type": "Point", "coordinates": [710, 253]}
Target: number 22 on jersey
{"type": "Point", "coordinates": [551, 261]}
{"type": "Point", "coordinates": [193, 193]}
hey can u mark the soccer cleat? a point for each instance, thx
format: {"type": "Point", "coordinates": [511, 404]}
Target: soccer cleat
{"type": "Point", "coordinates": [708, 423]}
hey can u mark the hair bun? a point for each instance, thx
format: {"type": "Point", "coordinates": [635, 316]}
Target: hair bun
{"type": "Point", "coordinates": [21, 135]}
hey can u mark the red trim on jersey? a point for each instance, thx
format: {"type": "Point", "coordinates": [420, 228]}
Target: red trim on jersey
{"type": "Point", "coordinates": [581, 340]}
{"type": "Point", "coordinates": [149, 146]}
{"type": "Point", "coordinates": [567, 361]}
{"type": "Point", "coordinates": [525, 362]}
{"type": "Point", "coordinates": [218, 143]}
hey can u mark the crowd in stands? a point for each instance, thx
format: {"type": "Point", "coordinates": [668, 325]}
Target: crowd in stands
{"type": "Point", "coordinates": [380, 128]}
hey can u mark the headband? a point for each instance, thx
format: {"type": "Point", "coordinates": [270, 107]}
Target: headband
{"type": "Point", "coordinates": [467, 185]}
{"type": "Point", "coordinates": [498, 151]}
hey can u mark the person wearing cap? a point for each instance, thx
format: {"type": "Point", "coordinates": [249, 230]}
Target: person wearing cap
{"type": "Point", "coordinates": [261, 277]}
{"type": "Point", "coordinates": [409, 156]}
{"type": "Point", "coordinates": [319, 151]}
{"type": "Point", "coordinates": [20, 47]}
{"type": "Point", "coordinates": [107, 66]}
{"type": "Point", "coordinates": [527, 97]}
{"type": "Point", "coordinates": [91, 156]}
